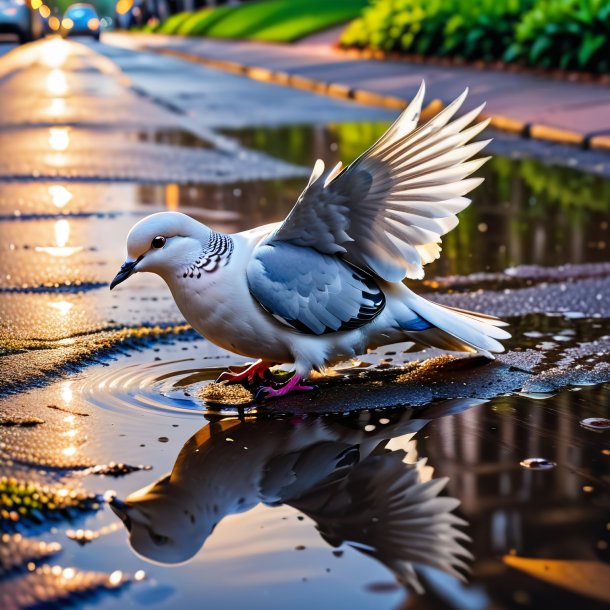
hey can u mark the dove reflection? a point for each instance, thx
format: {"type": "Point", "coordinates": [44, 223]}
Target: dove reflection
{"type": "Point", "coordinates": [361, 484]}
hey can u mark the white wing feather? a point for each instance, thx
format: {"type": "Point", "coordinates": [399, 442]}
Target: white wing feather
{"type": "Point", "coordinates": [387, 211]}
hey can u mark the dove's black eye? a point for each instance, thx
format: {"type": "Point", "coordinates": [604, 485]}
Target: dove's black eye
{"type": "Point", "coordinates": [158, 242]}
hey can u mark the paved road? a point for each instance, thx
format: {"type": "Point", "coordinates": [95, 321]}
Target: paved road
{"type": "Point", "coordinates": [526, 99]}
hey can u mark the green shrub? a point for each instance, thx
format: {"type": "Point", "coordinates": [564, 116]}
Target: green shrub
{"type": "Point", "coordinates": [483, 30]}
{"type": "Point", "coordinates": [569, 34]}
{"type": "Point", "coordinates": [410, 26]}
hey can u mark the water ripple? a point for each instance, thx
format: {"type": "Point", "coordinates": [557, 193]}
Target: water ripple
{"type": "Point", "coordinates": [166, 388]}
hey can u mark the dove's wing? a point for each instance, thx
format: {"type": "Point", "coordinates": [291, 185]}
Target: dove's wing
{"type": "Point", "coordinates": [388, 210]}
{"type": "Point", "coordinates": [383, 509]}
{"type": "Point", "coordinates": [291, 475]}
{"type": "Point", "coordinates": [312, 292]}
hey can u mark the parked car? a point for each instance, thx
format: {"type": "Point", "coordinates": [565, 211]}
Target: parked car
{"type": "Point", "coordinates": [79, 20]}
{"type": "Point", "coordinates": [19, 18]}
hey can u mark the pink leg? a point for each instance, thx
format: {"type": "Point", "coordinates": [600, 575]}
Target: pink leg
{"type": "Point", "coordinates": [292, 385]}
{"type": "Point", "coordinates": [248, 373]}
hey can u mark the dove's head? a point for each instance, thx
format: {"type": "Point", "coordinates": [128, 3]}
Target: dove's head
{"type": "Point", "coordinates": [165, 522]}
{"type": "Point", "coordinates": [163, 243]}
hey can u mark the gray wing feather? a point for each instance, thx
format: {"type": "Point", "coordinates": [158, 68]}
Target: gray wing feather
{"type": "Point", "coordinates": [388, 210]}
{"type": "Point", "coordinates": [312, 292]}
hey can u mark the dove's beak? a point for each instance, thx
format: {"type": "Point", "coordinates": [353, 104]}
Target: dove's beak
{"type": "Point", "coordinates": [121, 510]}
{"type": "Point", "coordinates": [127, 269]}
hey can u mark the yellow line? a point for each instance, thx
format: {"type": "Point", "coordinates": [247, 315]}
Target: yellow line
{"type": "Point", "coordinates": [553, 134]}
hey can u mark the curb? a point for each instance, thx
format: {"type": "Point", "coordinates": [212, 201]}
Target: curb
{"type": "Point", "coordinates": [363, 96]}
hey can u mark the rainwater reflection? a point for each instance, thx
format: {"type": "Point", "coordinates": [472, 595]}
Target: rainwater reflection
{"type": "Point", "coordinates": [358, 478]}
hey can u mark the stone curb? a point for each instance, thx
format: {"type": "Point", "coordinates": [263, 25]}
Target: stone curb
{"type": "Point", "coordinates": [502, 123]}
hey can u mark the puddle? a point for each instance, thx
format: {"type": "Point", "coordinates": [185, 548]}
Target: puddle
{"type": "Point", "coordinates": [320, 507]}
{"type": "Point", "coordinates": [169, 136]}
{"type": "Point", "coordinates": [229, 207]}
{"type": "Point", "coordinates": [71, 153]}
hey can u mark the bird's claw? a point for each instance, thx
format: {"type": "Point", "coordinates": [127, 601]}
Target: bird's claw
{"type": "Point", "coordinates": [238, 374]}
{"type": "Point", "coordinates": [277, 390]}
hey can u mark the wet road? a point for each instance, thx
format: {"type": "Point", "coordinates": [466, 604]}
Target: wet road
{"type": "Point", "coordinates": [95, 137]}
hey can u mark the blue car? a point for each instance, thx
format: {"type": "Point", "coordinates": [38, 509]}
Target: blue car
{"type": "Point", "coordinates": [79, 20]}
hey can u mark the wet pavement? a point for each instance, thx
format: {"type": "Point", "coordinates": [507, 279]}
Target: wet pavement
{"type": "Point", "coordinates": [407, 491]}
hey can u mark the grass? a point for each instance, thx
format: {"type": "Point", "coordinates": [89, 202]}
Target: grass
{"type": "Point", "coordinates": [172, 24]}
{"type": "Point", "coordinates": [269, 20]}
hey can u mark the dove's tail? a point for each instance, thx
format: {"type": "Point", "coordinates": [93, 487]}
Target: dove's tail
{"type": "Point", "coordinates": [457, 329]}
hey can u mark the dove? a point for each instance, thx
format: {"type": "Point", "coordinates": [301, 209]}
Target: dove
{"type": "Point", "coordinates": [326, 284]}
{"type": "Point", "coordinates": [364, 488]}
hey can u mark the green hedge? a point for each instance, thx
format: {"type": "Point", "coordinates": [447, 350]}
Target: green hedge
{"type": "Point", "coordinates": [481, 30]}
{"type": "Point", "coordinates": [570, 34]}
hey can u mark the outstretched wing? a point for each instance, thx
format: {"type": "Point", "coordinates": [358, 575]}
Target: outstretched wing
{"type": "Point", "coordinates": [388, 210]}
{"type": "Point", "coordinates": [312, 292]}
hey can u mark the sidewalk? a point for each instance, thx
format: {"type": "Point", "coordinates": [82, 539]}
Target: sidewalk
{"type": "Point", "coordinates": [534, 106]}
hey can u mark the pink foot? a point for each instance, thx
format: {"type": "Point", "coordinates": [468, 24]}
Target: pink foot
{"type": "Point", "coordinates": [237, 374]}
{"type": "Point", "coordinates": [292, 385]}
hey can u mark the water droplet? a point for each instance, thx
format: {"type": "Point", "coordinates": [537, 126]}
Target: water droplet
{"type": "Point", "coordinates": [163, 439]}
{"type": "Point", "coordinates": [538, 463]}
{"type": "Point", "coordinates": [596, 423]}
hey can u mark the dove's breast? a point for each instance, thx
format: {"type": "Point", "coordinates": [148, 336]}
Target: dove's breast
{"type": "Point", "coordinates": [219, 306]}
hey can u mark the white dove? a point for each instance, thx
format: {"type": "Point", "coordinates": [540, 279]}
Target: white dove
{"type": "Point", "coordinates": [325, 285]}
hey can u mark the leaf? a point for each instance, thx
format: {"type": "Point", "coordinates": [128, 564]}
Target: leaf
{"type": "Point", "coordinates": [538, 48]}
{"type": "Point", "coordinates": [566, 60]}
{"type": "Point", "coordinates": [589, 46]}
{"type": "Point", "coordinates": [513, 52]}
